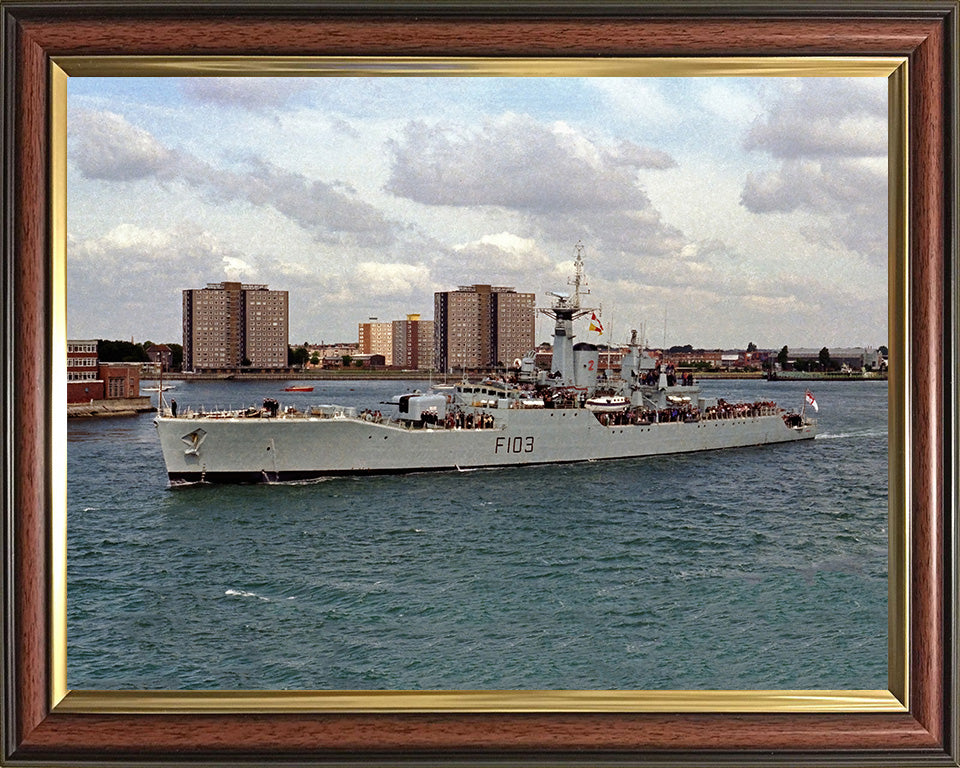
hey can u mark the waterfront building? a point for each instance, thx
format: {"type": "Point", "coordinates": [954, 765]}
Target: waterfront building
{"type": "Point", "coordinates": [413, 343]}
{"type": "Point", "coordinates": [331, 355]}
{"type": "Point", "coordinates": [83, 372]}
{"type": "Point", "coordinates": [690, 358]}
{"type": "Point", "coordinates": [482, 327]}
{"type": "Point", "coordinates": [856, 358]}
{"type": "Point", "coordinates": [376, 339]}
{"type": "Point", "coordinates": [120, 380]}
{"type": "Point", "coordinates": [161, 355]}
{"type": "Point", "coordinates": [229, 326]}
{"type": "Point", "coordinates": [90, 380]}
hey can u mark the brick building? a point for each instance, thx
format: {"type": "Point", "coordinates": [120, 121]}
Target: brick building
{"type": "Point", "coordinates": [120, 380]}
{"type": "Point", "coordinates": [83, 374]}
{"type": "Point", "coordinates": [376, 338]}
{"type": "Point", "coordinates": [482, 326]}
{"type": "Point", "coordinates": [89, 379]}
{"type": "Point", "coordinates": [161, 355]}
{"type": "Point", "coordinates": [413, 343]}
{"type": "Point", "coordinates": [229, 326]}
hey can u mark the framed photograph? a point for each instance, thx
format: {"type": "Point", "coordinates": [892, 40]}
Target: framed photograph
{"type": "Point", "coordinates": [54, 57]}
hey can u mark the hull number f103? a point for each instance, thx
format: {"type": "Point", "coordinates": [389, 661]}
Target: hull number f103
{"type": "Point", "coordinates": [514, 445]}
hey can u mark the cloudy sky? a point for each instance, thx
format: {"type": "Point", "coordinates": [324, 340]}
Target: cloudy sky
{"type": "Point", "coordinates": [716, 211]}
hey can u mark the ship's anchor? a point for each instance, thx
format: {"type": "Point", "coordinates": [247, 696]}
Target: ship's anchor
{"type": "Point", "coordinates": [194, 440]}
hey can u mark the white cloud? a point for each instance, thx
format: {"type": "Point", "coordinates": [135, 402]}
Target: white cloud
{"type": "Point", "coordinates": [831, 140]}
{"type": "Point", "coordinates": [392, 280]}
{"type": "Point", "coordinates": [824, 118]}
{"type": "Point", "coordinates": [516, 163]}
{"type": "Point", "coordinates": [107, 146]}
{"type": "Point", "coordinates": [563, 185]}
{"type": "Point", "coordinates": [132, 272]}
{"type": "Point", "coordinates": [364, 198]}
{"type": "Point", "coordinates": [251, 93]}
{"type": "Point", "coordinates": [503, 256]}
{"type": "Point", "coordinates": [237, 269]}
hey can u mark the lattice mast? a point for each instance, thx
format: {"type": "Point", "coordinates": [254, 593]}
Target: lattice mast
{"type": "Point", "coordinates": [567, 308]}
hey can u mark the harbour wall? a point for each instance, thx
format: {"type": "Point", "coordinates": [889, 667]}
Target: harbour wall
{"type": "Point", "coordinates": [125, 406]}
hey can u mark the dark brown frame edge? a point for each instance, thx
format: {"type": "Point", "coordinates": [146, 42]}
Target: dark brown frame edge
{"type": "Point", "coordinates": [925, 32]}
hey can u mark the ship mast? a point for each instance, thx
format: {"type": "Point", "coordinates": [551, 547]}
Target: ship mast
{"type": "Point", "coordinates": [579, 279]}
{"type": "Point", "coordinates": [565, 309]}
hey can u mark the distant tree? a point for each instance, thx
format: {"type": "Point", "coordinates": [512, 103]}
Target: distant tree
{"type": "Point", "coordinates": [176, 356]}
{"type": "Point", "coordinates": [684, 348]}
{"type": "Point", "coordinates": [121, 352]}
{"type": "Point", "coordinates": [315, 358]}
{"type": "Point", "coordinates": [346, 361]}
{"type": "Point", "coordinates": [783, 355]}
{"type": "Point", "coordinates": [297, 356]}
{"type": "Point", "coordinates": [751, 347]}
{"type": "Point", "coordinates": [359, 363]}
{"type": "Point", "coordinates": [884, 351]}
{"type": "Point", "coordinates": [246, 361]}
{"type": "Point", "coordinates": [824, 359]}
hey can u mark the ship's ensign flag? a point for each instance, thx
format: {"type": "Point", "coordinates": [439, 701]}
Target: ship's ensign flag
{"type": "Point", "coordinates": [812, 401]}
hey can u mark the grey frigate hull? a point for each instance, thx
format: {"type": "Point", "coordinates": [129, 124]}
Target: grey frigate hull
{"type": "Point", "coordinates": [536, 416]}
{"type": "Point", "coordinates": [236, 448]}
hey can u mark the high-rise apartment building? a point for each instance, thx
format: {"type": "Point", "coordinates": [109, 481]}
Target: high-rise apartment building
{"type": "Point", "coordinates": [376, 339]}
{"type": "Point", "coordinates": [482, 326]}
{"type": "Point", "coordinates": [229, 326]}
{"type": "Point", "coordinates": [413, 343]}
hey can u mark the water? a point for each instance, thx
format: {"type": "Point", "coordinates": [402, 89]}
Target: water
{"type": "Point", "coordinates": [747, 568]}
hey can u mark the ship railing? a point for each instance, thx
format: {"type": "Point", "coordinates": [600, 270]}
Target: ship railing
{"type": "Point", "coordinates": [687, 414]}
{"type": "Point", "coordinates": [326, 411]}
{"type": "Point", "coordinates": [217, 412]}
{"type": "Point", "coordinates": [234, 412]}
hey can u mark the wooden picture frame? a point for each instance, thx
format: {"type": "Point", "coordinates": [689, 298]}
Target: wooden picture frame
{"type": "Point", "coordinates": [39, 729]}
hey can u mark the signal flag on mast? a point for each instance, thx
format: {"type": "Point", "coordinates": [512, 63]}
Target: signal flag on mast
{"type": "Point", "coordinates": [595, 324]}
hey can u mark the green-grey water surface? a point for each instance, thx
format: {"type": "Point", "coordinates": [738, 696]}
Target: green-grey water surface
{"type": "Point", "coordinates": [749, 568]}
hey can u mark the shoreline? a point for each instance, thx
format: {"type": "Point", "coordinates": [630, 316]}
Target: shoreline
{"type": "Point", "coordinates": [359, 375]}
{"type": "Point", "coordinates": [135, 406]}
{"type": "Point", "coordinates": [126, 406]}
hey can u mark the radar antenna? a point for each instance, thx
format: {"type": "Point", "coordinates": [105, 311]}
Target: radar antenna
{"type": "Point", "coordinates": [568, 304]}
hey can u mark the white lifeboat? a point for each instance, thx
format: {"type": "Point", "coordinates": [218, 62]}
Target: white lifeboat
{"type": "Point", "coordinates": [607, 403]}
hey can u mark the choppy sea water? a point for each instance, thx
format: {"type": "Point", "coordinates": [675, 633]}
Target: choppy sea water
{"type": "Point", "coordinates": [745, 568]}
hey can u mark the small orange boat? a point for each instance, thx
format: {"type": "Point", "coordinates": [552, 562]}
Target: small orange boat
{"type": "Point", "coordinates": [298, 389]}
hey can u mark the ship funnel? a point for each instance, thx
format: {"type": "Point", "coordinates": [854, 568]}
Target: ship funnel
{"type": "Point", "coordinates": [586, 362]}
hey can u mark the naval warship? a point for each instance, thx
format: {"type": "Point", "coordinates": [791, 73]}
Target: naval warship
{"type": "Point", "coordinates": [572, 412]}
